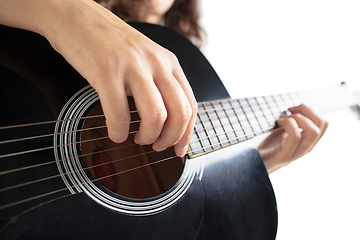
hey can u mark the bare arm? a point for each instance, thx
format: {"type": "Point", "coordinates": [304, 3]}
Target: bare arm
{"type": "Point", "coordinates": [117, 61]}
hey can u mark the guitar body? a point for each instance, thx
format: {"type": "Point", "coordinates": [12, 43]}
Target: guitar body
{"type": "Point", "coordinates": [222, 195]}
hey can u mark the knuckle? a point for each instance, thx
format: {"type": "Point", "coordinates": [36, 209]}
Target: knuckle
{"type": "Point", "coordinates": [296, 115]}
{"type": "Point", "coordinates": [159, 115]}
{"type": "Point", "coordinates": [186, 113]}
{"type": "Point", "coordinates": [146, 141]}
{"type": "Point", "coordinates": [118, 128]}
{"type": "Point", "coordinates": [162, 56]}
{"type": "Point", "coordinates": [314, 133]}
{"type": "Point", "coordinates": [302, 106]}
{"type": "Point", "coordinates": [291, 121]}
{"type": "Point", "coordinates": [296, 137]}
{"type": "Point", "coordinates": [194, 107]}
{"type": "Point", "coordinates": [120, 120]}
{"type": "Point", "coordinates": [171, 56]}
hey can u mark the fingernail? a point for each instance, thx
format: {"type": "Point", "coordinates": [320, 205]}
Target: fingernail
{"type": "Point", "coordinates": [160, 149]}
{"type": "Point", "coordinates": [279, 122]}
{"type": "Point", "coordinates": [183, 151]}
{"type": "Point", "coordinates": [135, 140]}
{"type": "Point", "coordinates": [286, 113]}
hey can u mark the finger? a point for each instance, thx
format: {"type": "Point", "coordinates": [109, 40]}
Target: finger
{"type": "Point", "coordinates": [307, 112]}
{"type": "Point", "coordinates": [293, 137]}
{"type": "Point", "coordinates": [150, 107]}
{"type": "Point", "coordinates": [178, 109]}
{"type": "Point", "coordinates": [182, 145]}
{"type": "Point", "coordinates": [116, 110]}
{"type": "Point", "coordinates": [310, 135]}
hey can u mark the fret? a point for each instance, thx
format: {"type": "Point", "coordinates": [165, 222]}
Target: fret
{"type": "Point", "coordinates": [221, 130]}
{"type": "Point", "coordinates": [295, 98]}
{"type": "Point", "coordinates": [280, 103]}
{"type": "Point", "coordinates": [269, 112]}
{"type": "Point", "coordinates": [200, 151]}
{"type": "Point", "coordinates": [258, 114]}
{"type": "Point", "coordinates": [287, 100]}
{"type": "Point", "coordinates": [331, 100]}
{"type": "Point", "coordinates": [229, 128]}
{"type": "Point", "coordinates": [239, 128]}
{"type": "Point", "coordinates": [276, 111]}
{"type": "Point", "coordinates": [196, 145]}
{"type": "Point", "coordinates": [303, 98]}
{"type": "Point", "coordinates": [222, 123]}
{"type": "Point", "coordinates": [205, 135]}
{"type": "Point", "coordinates": [322, 97]}
{"type": "Point", "coordinates": [292, 98]}
{"type": "Point", "coordinates": [315, 100]}
{"type": "Point", "coordinates": [349, 99]}
{"type": "Point", "coordinates": [265, 109]}
{"type": "Point", "coordinates": [334, 99]}
{"type": "Point", "coordinates": [212, 122]}
{"type": "Point", "coordinates": [241, 116]}
{"type": "Point", "coordinates": [249, 117]}
{"type": "Point", "coordinates": [342, 94]}
{"type": "Point", "coordinates": [312, 101]}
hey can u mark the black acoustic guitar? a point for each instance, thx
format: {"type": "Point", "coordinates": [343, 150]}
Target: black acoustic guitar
{"type": "Point", "coordinates": [62, 178]}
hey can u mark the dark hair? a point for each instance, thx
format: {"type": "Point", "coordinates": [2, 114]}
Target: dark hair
{"type": "Point", "coordinates": [182, 17]}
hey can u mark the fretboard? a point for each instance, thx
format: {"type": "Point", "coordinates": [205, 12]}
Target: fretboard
{"type": "Point", "coordinates": [225, 122]}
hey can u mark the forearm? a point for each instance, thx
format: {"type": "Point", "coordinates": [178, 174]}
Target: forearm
{"type": "Point", "coordinates": [33, 15]}
{"type": "Point", "coordinates": [51, 17]}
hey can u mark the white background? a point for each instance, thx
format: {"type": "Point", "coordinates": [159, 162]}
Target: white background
{"type": "Point", "coordinates": [266, 47]}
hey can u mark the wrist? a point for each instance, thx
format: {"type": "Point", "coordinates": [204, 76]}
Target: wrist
{"type": "Point", "coordinates": [271, 162]}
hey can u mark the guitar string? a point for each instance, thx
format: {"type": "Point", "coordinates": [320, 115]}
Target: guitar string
{"type": "Point", "coordinates": [56, 191]}
{"type": "Point", "coordinates": [301, 97]}
{"type": "Point", "coordinates": [51, 147]}
{"type": "Point", "coordinates": [246, 135]}
{"type": "Point", "coordinates": [101, 115]}
{"type": "Point", "coordinates": [227, 143]}
{"type": "Point", "coordinates": [199, 139]}
{"type": "Point", "coordinates": [203, 111]}
{"type": "Point", "coordinates": [284, 103]}
{"type": "Point", "coordinates": [65, 159]}
{"type": "Point", "coordinates": [55, 121]}
{"type": "Point", "coordinates": [72, 172]}
{"type": "Point", "coordinates": [97, 179]}
{"type": "Point", "coordinates": [91, 181]}
{"type": "Point", "coordinates": [223, 114]}
{"type": "Point", "coordinates": [49, 135]}
{"type": "Point", "coordinates": [241, 129]}
{"type": "Point", "coordinates": [77, 185]}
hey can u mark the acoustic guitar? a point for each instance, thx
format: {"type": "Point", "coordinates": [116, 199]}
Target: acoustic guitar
{"type": "Point", "coordinates": [62, 178]}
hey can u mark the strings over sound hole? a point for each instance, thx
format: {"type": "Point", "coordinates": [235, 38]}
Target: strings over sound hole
{"type": "Point", "coordinates": [127, 169]}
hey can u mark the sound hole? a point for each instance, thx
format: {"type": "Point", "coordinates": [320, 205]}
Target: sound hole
{"type": "Point", "coordinates": [127, 169]}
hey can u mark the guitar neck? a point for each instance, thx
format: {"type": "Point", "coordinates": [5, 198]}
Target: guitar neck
{"type": "Point", "coordinates": [226, 122]}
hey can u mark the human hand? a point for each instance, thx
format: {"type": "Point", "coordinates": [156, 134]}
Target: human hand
{"type": "Point", "coordinates": [117, 61]}
{"type": "Point", "coordinates": [288, 143]}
